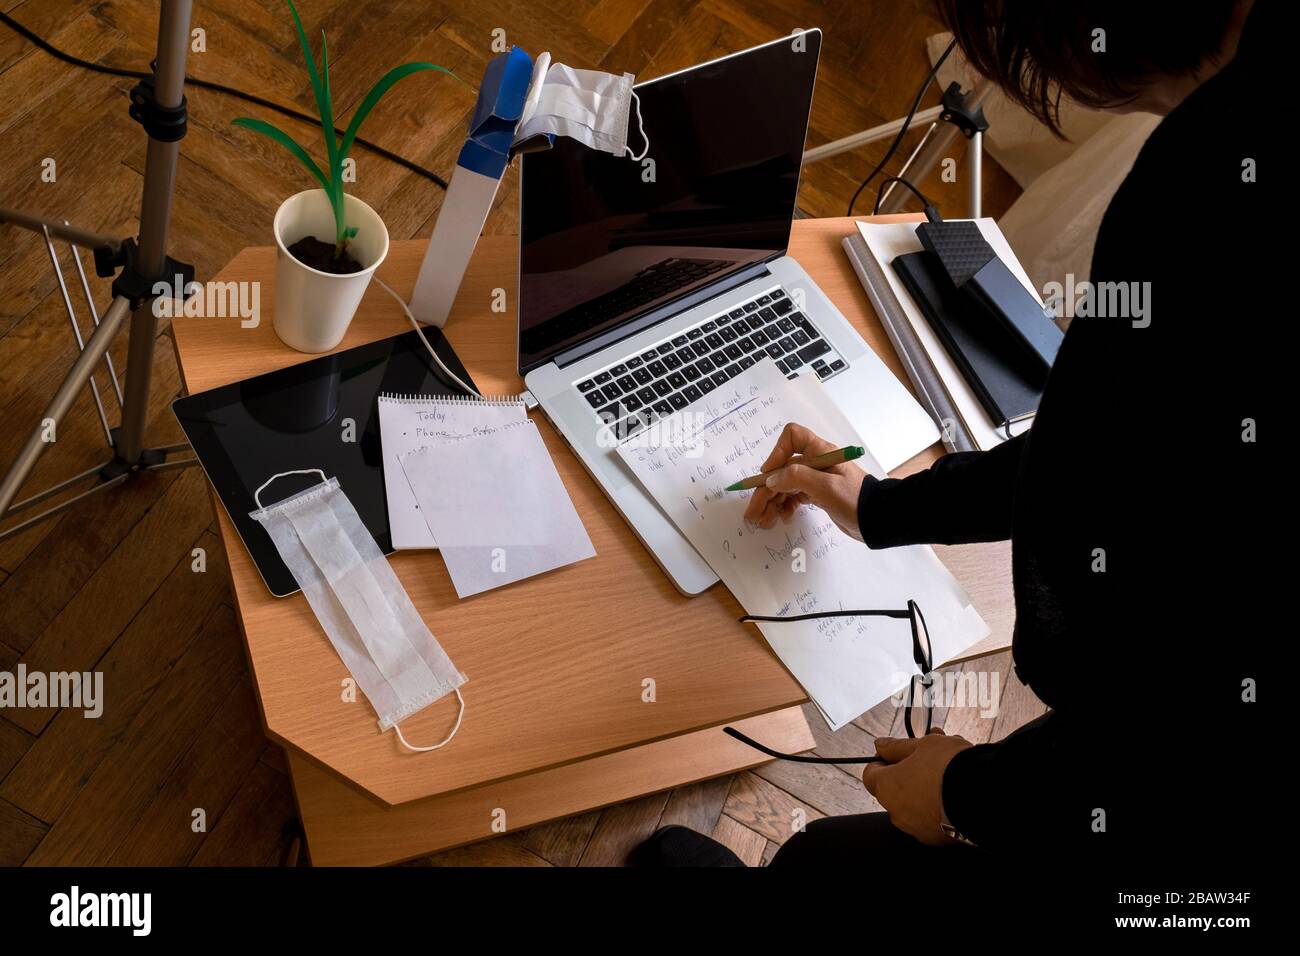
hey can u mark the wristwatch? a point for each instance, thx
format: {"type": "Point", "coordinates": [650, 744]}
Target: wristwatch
{"type": "Point", "coordinates": [951, 831]}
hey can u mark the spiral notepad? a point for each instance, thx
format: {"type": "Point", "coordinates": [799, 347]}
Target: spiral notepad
{"type": "Point", "coordinates": [497, 506]}
{"type": "Point", "coordinates": [410, 423]}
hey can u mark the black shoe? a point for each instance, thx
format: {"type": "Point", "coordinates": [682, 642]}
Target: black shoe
{"type": "Point", "coordinates": [680, 846]}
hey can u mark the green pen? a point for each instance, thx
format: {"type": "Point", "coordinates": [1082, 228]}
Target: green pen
{"type": "Point", "coordinates": [820, 462]}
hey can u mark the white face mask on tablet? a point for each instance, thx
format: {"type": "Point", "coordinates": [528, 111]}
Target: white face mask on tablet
{"type": "Point", "coordinates": [360, 603]}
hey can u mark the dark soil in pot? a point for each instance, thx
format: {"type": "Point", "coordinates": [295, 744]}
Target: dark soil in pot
{"type": "Point", "coordinates": [310, 251]}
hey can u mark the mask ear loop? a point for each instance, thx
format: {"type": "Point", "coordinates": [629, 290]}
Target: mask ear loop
{"type": "Point", "coordinates": [640, 125]}
{"type": "Point", "coordinates": [257, 499]}
{"type": "Point", "coordinates": [446, 740]}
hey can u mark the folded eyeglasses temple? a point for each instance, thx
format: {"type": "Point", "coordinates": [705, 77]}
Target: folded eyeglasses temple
{"type": "Point", "coordinates": [797, 758]}
{"type": "Point", "coordinates": [777, 618]}
{"type": "Point", "coordinates": [910, 613]}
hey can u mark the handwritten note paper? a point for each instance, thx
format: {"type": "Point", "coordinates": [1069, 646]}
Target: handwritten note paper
{"type": "Point", "coordinates": [410, 423]}
{"type": "Point", "coordinates": [847, 665]}
{"type": "Point", "coordinates": [497, 506]}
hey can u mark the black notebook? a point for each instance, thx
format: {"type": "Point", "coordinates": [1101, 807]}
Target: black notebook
{"type": "Point", "coordinates": [1007, 384]}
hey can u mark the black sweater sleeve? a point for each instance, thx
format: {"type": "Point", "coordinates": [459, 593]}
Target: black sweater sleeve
{"type": "Point", "coordinates": [962, 498]}
{"type": "Point", "coordinates": [1029, 788]}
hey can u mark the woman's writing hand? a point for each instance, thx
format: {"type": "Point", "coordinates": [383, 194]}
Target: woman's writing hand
{"type": "Point", "coordinates": [834, 490]}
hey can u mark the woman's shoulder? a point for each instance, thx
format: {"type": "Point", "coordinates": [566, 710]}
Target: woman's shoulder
{"type": "Point", "coordinates": [1192, 189]}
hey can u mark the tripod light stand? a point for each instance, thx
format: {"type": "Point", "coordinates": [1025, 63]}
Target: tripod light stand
{"type": "Point", "coordinates": [157, 104]}
{"type": "Point", "coordinates": [959, 114]}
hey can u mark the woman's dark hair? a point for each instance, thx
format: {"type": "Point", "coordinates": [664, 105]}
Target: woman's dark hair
{"type": "Point", "coordinates": [1035, 50]}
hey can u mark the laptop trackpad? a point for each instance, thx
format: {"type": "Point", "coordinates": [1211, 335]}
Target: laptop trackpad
{"type": "Point", "coordinates": [617, 475]}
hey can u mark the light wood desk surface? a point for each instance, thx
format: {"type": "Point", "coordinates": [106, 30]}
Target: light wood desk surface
{"type": "Point", "coordinates": [556, 663]}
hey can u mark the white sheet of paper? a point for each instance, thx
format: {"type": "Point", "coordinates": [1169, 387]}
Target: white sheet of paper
{"type": "Point", "coordinates": [847, 665]}
{"type": "Point", "coordinates": [497, 507]}
{"type": "Point", "coordinates": [407, 424]}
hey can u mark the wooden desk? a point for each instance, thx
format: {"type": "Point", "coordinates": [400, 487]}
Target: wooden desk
{"type": "Point", "coordinates": [555, 722]}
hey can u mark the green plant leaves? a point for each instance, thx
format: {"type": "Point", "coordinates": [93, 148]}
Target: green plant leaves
{"type": "Point", "coordinates": [335, 188]}
{"type": "Point", "coordinates": [320, 87]}
{"type": "Point", "coordinates": [336, 151]}
{"type": "Point", "coordinates": [385, 83]}
{"type": "Point", "coordinates": [316, 86]}
{"type": "Point", "coordinates": [285, 140]}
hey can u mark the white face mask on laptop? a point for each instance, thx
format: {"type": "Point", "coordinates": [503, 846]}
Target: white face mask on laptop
{"type": "Point", "coordinates": [592, 107]}
{"type": "Point", "coordinates": [359, 602]}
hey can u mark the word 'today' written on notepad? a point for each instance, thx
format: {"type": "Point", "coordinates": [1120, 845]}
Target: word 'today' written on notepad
{"type": "Point", "coordinates": [846, 665]}
{"type": "Point", "coordinates": [409, 423]}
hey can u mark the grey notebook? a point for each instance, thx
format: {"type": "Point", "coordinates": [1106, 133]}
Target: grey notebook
{"type": "Point", "coordinates": [920, 370]}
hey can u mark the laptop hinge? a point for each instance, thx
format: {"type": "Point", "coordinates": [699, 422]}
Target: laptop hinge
{"type": "Point", "coordinates": [676, 307]}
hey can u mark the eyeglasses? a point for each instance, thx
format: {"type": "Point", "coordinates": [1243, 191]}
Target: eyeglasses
{"type": "Point", "coordinates": [922, 654]}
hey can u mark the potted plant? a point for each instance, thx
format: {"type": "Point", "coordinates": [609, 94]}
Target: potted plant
{"type": "Point", "coordinates": [328, 243]}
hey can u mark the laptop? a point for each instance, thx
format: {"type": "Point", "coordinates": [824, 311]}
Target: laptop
{"type": "Point", "coordinates": [643, 286]}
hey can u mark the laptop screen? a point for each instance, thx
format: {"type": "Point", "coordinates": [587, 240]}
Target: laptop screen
{"type": "Point", "coordinates": [604, 240]}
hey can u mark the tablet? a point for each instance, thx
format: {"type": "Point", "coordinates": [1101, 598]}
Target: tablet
{"type": "Point", "coordinates": [321, 413]}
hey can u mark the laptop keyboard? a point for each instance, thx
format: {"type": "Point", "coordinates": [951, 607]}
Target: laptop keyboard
{"type": "Point", "coordinates": [678, 372]}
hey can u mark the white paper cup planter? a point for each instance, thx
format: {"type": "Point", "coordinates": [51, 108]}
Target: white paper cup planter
{"type": "Point", "coordinates": [313, 308]}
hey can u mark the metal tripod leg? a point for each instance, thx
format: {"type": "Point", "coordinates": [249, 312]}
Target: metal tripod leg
{"type": "Point", "coordinates": [934, 147]}
{"type": "Point", "coordinates": [936, 143]}
{"type": "Point", "coordinates": [155, 217]}
{"type": "Point", "coordinates": [76, 332]}
{"type": "Point", "coordinates": [151, 263]}
{"type": "Point", "coordinates": [46, 431]}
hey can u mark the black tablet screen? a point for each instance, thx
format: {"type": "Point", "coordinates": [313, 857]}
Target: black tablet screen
{"type": "Point", "coordinates": [322, 413]}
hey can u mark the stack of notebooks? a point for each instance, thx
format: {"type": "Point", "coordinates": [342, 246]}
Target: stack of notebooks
{"type": "Point", "coordinates": [973, 380]}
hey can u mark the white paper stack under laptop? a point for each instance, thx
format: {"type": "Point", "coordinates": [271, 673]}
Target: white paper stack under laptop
{"type": "Point", "coordinates": [847, 665]}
